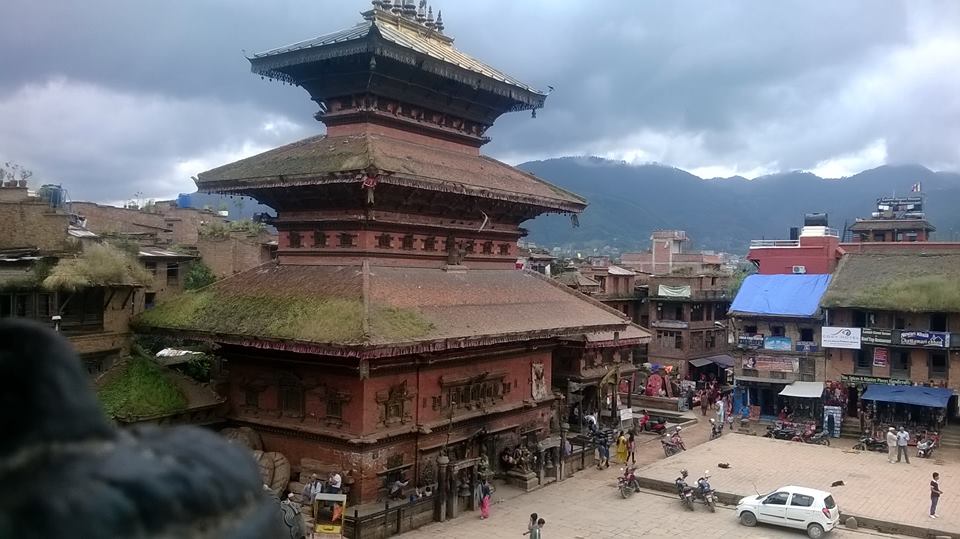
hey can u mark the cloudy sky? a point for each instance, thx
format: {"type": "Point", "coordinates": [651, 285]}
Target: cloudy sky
{"type": "Point", "coordinates": [113, 97]}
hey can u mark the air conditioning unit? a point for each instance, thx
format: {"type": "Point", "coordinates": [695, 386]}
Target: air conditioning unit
{"type": "Point", "coordinates": [799, 269]}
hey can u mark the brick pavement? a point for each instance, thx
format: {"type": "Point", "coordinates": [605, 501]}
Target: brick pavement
{"type": "Point", "coordinates": [588, 506]}
{"type": "Point", "coordinates": [872, 487]}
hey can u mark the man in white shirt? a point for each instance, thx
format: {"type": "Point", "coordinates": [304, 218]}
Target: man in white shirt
{"type": "Point", "coordinates": [333, 486]}
{"type": "Point", "coordinates": [903, 438]}
{"type": "Point", "coordinates": [891, 444]}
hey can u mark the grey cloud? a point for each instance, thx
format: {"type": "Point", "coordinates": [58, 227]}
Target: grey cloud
{"type": "Point", "coordinates": [731, 83]}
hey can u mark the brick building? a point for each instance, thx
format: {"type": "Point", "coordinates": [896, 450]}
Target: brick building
{"type": "Point", "coordinates": [38, 233]}
{"type": "Point", "coordinates": [776, 322]}
{"type": "Point", "coordinates": [393, 326]}
{"type": "Point", "coordinates": [668, 254]}
{"type": "Point", "coordinates": [902, 316]}
{"type": "Point", "coordinates": [688, 316]}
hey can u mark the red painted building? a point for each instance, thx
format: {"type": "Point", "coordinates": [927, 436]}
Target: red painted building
{"type": "Point", "coordinates": [393, 325]}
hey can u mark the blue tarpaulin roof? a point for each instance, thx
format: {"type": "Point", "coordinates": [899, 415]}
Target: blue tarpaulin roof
{"type": "Point", "coordinates": [934, 397]}
{"type": "Point", "coordinates": [780, 295]}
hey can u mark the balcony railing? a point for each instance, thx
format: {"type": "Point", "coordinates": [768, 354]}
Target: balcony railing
{"type": "Point", "coordinates": [774, 243]}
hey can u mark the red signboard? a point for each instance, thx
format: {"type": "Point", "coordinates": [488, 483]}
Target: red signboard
{"type": "Point", "coordinates": [881, 357]}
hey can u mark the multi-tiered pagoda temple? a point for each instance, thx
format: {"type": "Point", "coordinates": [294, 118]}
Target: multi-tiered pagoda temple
{"type": "Point", "coordinates": [393, 324]}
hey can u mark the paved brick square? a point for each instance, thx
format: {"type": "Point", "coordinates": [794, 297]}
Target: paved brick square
{"type": "Point", "coordinates": [872, 487]}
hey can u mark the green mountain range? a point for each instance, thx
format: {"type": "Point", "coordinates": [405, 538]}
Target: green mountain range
{"type": "Point", "coordinates": [627, 202]}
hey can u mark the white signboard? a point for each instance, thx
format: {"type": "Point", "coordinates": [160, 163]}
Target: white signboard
{"type": "Point", "coordinates": [626, 414]}
{"type": "Point", "coordinates": [836, 337]}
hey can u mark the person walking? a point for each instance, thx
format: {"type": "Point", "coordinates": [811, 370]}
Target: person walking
{"type": "Point", "coordinates": [621, 448]}
{"type": "Point", "coordinates": [532, 523]}
{"type": "Point", "coordinates": [603, 449]}
{"type": "Point", "coordinates": [535, 531]}
{"type": "Point", "coordinates": [485, 492]}
{"type": "Point", "coordinates": [704, 402]}
{"type": "Point", "coordinates": [903, 438]}
{"type": "Point", "coordinates": [720, 413]}
{"type": "Point", "coordinates": [632, 448]}
{"type": "Point", "coordinates": [935, 493]}
{"type": "Point", "coordinates": [891, 444]}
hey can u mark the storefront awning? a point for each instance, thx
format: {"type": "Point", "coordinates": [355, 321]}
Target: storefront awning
{"type": "Point", "coordinates": [722, 360]}
{"type": "Point", "coordinates": [933, 397]}
{"type": "Point", "coordinates": [803, 390]}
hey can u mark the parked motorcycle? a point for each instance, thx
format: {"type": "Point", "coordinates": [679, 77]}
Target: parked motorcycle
{"type": "Point", "coordinates": [869, 443]}
{"type": "Point", "coordinates": [684, 491]}
{"type": "Point", "coordinates": [646, 424]}
{"type": "Point", "coordinates": [677, 440]}
{"type": "Point", "coordinates": [716, 429]}
{"type": "Point", "coordinates": [705, 492]}
{"type": "Point", "coordinates": [781, 431]}
{"type": "Point", "coordinates": [669, 448]}
{"type": "Point", "coordinates": [926, 445]}
{"type": "Point", "coordinates": [810, 436]}
{"type": "Point", "coordinates": [627, 482]}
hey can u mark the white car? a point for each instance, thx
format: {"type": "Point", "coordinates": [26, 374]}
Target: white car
{"type": "Point", "coordinates": [794, 507]}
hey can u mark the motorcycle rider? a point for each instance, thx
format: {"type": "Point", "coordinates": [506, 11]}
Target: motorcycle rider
{"type": "Point", "coordinates": [676, 440]}
{"type": "Point", "coordinates": [630, 477]}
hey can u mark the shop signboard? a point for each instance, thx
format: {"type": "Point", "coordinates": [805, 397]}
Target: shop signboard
{"type": "Point", "coordinates": [772, 363]}
{"type": "Point", "coordinates": [857, 379]}
{"type": "Point", "coordinates": [783, 344]}
{"type": "Point", "coordinates": [807, 347]}
{"type": "Point", "coordinates": [883, 337]}
{"type": "Point", "coordinates": [837, 337]}
{"type": "Point", "coordinates": [926, 339]}
{"type": "Point", "coordinates": [750, 341]}
{"type": "Point", "coordinates": [881, 357]}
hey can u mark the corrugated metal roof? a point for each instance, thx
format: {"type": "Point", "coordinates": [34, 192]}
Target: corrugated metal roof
{"type": "Point", "coordinates": [407, 35]}
{"type": "Point", "coordinates": [78, 232]}
{"type": "Point", "coordinates": [617, 270]}
{"type": "Point", "coordinates": [161, 253]}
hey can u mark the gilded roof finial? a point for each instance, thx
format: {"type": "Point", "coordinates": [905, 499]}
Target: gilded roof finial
{"type": "Point", "coordinates": [422, 12]}
{"type": "Point", "coordinates": [440, 21]}
{"type": "Point", "coordinates": [409, 9]}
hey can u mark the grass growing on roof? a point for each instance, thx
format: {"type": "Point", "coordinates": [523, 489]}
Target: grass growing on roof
{"type": "Point", "coordinates": [304, 318]}
{"type": "Point", "coordinates": [937, 293]}
{"type": "Point", "coordinates": [141, 388]}
{"type": "Point", "coordinates": [97, 265]}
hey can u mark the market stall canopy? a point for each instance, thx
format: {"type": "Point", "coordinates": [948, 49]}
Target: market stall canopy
{"type": "Point", "coordinates": [803, 390]}
{"type": "Point", "coordinates": [933, 397]}
{"type": "Point", "coordinates": [722, 360]}
{"type": "Point", "coordinates": [780, 295]}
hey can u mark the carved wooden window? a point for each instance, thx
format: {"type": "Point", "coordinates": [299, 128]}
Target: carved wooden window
{"type": "Point", "coordinates": [430, 244]}
{"type": "Point", "coordinates": [394, 410]}
{"type": "Point", "coordinates": [488, 247]}
{"type": "Point", "coordinates": [384, 241]}
{"type": "Point", "coordinates": [294, 238]}
{"type": "Point", "coordinates": [407, 242]}
{"type": "Point", "coordinates": [251, 397]}
{"type": "Point", "coordinates": [436, 402]}
{"type": "Point", "coordinates": [346, 240]}
{"type": "Point", "coordinates": [334, 408]}
{"type": "Point", "coordinates": [504, 248]}
{"type": "Point", "coordinates": [470, 247]}
{"type": "Point", "coordinates": [319, 239]}
{"type": "Point", "coordinates": [291, 395]}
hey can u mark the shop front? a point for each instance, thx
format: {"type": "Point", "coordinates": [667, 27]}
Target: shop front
{"type": "Point", "coordinates": [917, 408]}
{"type": "Point", "coordinates": [708, 369]}
{"type": "Point", "coordinates": [803, 401]}
{"type": "Point", "coordinates": [757, 396]}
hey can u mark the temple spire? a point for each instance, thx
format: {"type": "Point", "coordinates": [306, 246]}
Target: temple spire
{"type": "Point", "coordinates": [422, 12]}
{"type": "Point", "coordinates": [440, 21]}
{"type": "Point", "coordinates": [430, 24]}
{"type": "Point", "coordinates": [409, 10]}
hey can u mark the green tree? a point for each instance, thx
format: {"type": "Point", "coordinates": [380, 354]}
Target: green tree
{"type": "Point", "coordinates": [198, 275]}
